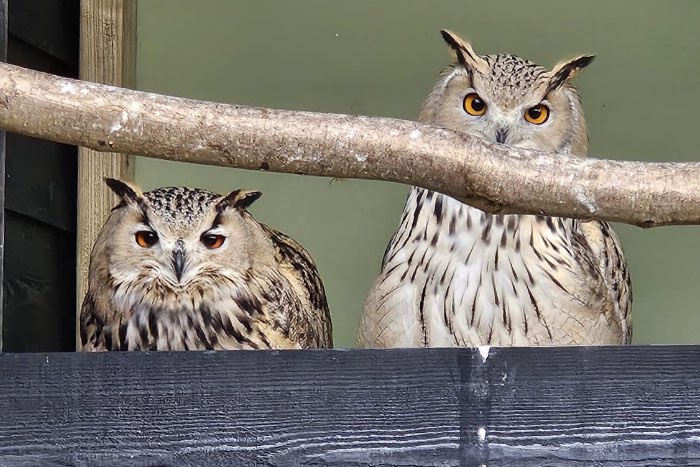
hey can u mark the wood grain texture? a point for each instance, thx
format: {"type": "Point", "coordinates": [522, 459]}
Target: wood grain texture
{"type": "Point", "coordinates": [3, 151]}
{"type": "Point", "coordinates": [107, 56]}
{"type": "Point", "coordinates": [625, 406]}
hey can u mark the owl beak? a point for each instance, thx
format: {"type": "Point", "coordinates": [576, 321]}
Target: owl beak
{"type": "Point", "coordinates": [179, 258]}
{"type": "Point", "coordinates": [501, 135]}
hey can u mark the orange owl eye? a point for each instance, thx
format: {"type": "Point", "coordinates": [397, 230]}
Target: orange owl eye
{"type": "Point", "coordinates": [146, 238]}
{"type": "Point", "coordinates": [212, 241]}
{"type": "Point", "coordinates": [474, 105]}
{"type": "Point", "coordinates": [537, 115]}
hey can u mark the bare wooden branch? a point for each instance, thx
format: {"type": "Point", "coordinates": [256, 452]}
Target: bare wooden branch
{"type": "Point", "coordinates": [493, 177]}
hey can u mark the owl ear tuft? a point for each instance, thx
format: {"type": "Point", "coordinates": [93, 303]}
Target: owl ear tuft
{"type": "Point", "coordinates": [566, 70]}
{"type": "Point", "coordinates": [125, 191]}
{"type": "Point", "coordinates": [462, 52]}
{"type": "Point", "coordinates": [238, 199]}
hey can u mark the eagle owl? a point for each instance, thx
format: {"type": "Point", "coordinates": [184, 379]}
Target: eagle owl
{"type": "Point", "coordinates": [453, 275]}
{"type": "Point", "coordinates": [187, 269]}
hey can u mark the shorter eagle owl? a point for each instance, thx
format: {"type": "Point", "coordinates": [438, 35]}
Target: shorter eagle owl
{"type": "Point", "coordinates": [187, 269]}
{"type": "Point", "coordinates": [453, 275]}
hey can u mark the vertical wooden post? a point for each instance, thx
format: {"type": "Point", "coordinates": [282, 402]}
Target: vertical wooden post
{"type": "Point", "coordinates": [107, 55]}
{"type": "Point", "coordinates": [3, 57]}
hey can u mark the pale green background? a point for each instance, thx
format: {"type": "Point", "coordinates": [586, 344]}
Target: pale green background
{"type": "Point", "coordinates": [380, 58]}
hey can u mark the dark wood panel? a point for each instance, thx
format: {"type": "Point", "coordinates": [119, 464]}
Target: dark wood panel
{"type": "Point", "coordinates": [634, 406]}
{"type": "Point", "coordinates": [50, 25]}
{"type": "Point", "coordinates": [42, 180]}
{"type": "Point", "coordinates": [40, 189]}
{"type": "Point", "coordinates": [39, 283]}
{"type": "Point", "coordinates": [24, 54]}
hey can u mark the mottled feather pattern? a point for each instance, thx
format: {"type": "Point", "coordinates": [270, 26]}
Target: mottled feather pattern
{"type": "Point", "coordinates": [607, 256]}
{"type": "Point", "coordinates": [480, 279]}
{"type": "Point", "coordinates": [181, 206]}
{"type": "Point", "coordinates": [514, 77]}
{"type": "Point", "coordinates": [301, 272]}
{"type": "Point", "coordinates": [260, 291]}
{"type": "Point", "coordinates": [253, 315]}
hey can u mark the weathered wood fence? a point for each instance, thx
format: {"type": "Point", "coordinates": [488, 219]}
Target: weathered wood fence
{"type": "Point", "coordinates": [608, 406]}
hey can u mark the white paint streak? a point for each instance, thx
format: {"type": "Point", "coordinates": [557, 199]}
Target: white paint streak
{"type": "Point", "coordinates": [119, 123]}
{"type": "Point", "coordinates": [67, 87]}
{"type": "Point", "coordinates": [484, 351]}
{"type": "Point", "coordinates": [116, 126]}
{"type": "Point", "coordinates": [365, 450]}
{"type": "Point", "coordinates": [586, 199]}
{"type": "Point", "coordinates": [128, 122]}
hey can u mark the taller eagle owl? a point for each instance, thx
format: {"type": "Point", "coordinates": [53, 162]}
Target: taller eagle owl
{"type": "Point", "coordinates": [453, 275]}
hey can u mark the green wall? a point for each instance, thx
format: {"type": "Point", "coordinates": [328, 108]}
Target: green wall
{"type": "Point", "coordinates": [380, 58]}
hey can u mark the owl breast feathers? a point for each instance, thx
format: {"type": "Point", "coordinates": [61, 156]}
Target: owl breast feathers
{"type": "Point", "coordinates": [188, 269]}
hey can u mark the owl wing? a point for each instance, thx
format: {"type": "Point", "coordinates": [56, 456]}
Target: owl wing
{"type": "Point", "coordinates": [95, 332]}
{"type": "Point", "coordinates": [309, 317]}
{"type": "Point", "coordinates": [608, 258]}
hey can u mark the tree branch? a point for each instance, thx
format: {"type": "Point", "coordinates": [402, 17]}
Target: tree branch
{"type": "Point", "coordinates": [492, 177]}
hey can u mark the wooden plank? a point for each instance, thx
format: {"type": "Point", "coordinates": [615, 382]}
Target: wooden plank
{"type": "Point", "coordinates": [49, 194]}
{"type": "Point", "coordinates": [607, 406]}
{"type": "Point", "coordinates": [49, 25]}
{"type": "Point", "coordinates": [3, 57]}
{"type": "Point", "coordinates": [26, 55]}
{"type": "Point", "coordinates": [40, 193]}
{"type": "Point", "coordinates": [39, 295]}
{"type": "Point", "coordinates": [107, 55]}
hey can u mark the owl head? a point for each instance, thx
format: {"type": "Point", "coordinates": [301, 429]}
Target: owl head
{"type": "Point", "coordinates": [510, 100]}
{"type": "Point", "coordinates": [176, 238]}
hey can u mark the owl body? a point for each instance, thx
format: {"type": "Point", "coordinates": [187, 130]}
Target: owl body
{"type": "Point", "coordinates": [188, 269]}
{"type": "Point", "coordinates": [453, 275]}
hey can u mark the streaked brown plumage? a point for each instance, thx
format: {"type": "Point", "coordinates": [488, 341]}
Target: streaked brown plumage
{"type": "Point", "coordinates": [187, 269]}
{"type": "Point", "coordinates": [453, 275]}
